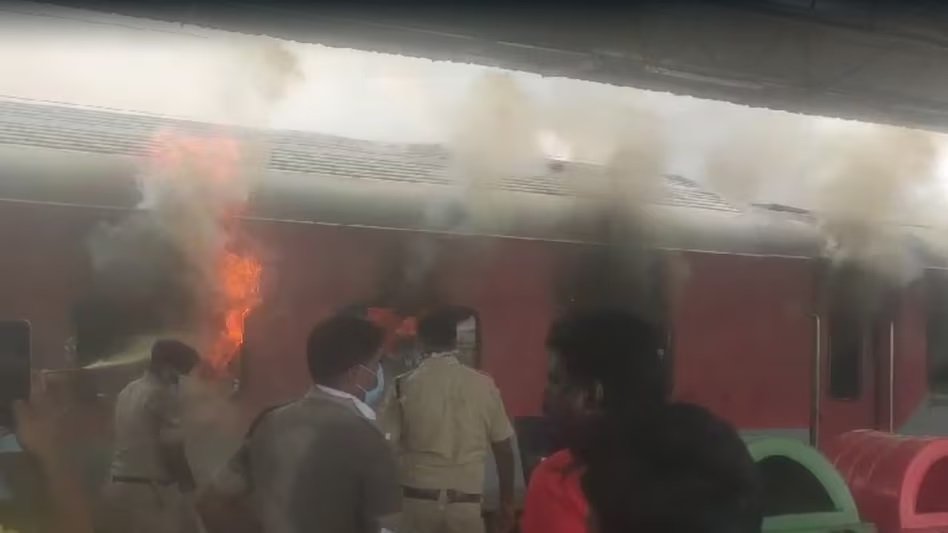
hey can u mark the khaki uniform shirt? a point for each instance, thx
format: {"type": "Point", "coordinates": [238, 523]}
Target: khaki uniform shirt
{"type": "Point", "coordinates": [147, 412]}
{"type": "Point", "coordinates": [443, 417]}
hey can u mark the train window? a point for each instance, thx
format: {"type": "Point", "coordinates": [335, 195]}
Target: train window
{"type": "Point", "coordinates": [847, 336]}
{"type": "Point", "coordinates": [469, 338]}
{"type": "Point", "coordinates": [401, 347]}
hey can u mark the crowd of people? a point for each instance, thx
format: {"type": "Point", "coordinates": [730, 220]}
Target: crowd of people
{"type": "Point", "coordinates": [354, 456]}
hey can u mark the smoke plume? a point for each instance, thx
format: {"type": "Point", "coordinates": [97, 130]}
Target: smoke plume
{"type": "Point", "coordinates": [158, 270]}
{"type": "Point", "coordinates": [861, 181]}
{"type": "Point", "coordinates": [259, 73]}
{"type": "Point", "coordinates": [495, 138]}
{"type": "Point", "coordinates": [625, 147]}
{"type": "Point", "coordinates": [761, 153]}
{"type": "Point", "coordinates": [868, 182]}
{"type": "Point", "coordinates": [625, 270]}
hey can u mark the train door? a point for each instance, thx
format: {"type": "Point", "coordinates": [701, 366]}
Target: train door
{"type": "Point", "coordinates": [922, 394]}
{"type": "Point", "coordinates": [937, 336]}
{"type": "Point", "coordinates": [855, 337]}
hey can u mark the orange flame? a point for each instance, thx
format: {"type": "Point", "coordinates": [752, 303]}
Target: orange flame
{"type": "Point", "coordinates": [214, 158]}
{"type": "Point", "coordinates": [396, 327]}
{"type": "Point", "coordinates": [217, 160]}
{"type": "Point", "coordinates": [240, 284]}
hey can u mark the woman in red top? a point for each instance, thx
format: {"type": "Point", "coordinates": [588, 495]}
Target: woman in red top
{"type": "Point", "coordinates": [606, 371]}
{"type": "Point", "coordinates": [555, 501]}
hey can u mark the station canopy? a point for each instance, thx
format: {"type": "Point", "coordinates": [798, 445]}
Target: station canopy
{"type": "Point", "coordinates": [879, 61]}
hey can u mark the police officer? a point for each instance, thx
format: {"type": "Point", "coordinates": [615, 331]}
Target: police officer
{"type": "Point", "coordinates": [443, 417]}
{"type": "Point", "coordinates": [150, 474]}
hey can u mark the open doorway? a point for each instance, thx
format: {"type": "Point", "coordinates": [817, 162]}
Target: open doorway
{"type": "Point", "coordinates": [859, 310]}
{"type": "Point", "coordinates": [936, 334]}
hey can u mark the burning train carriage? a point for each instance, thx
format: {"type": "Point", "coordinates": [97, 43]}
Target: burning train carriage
{"type": "Point", "coordinates": [342, 223]}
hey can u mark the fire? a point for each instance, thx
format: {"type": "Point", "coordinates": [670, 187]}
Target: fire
{"type": "Point", "coordinates": [240, 284]}
{"type": "Point", "coordinates": [396, 327]}
{"type": "Point", "coordinates": [206, 169]}
{"type": "Point", "coordinates": [215, 158]}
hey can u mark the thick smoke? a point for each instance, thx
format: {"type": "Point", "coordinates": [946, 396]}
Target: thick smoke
{"type": "Point", "coordinates": [862, 182]}
{"type": "Point", "coordinates": [758, 153]}
{"type": "Point", "coordinates": [859, 181]}
{"type": "Point", "coordinates": [623, 271]}
{"type": "Point", "coordinates": [494, 138]}
{"type": "Point", "coordinates": [868, 182]}
{"type": "Point", "coordinates": [259, 73]}
{"type": "Point", "coordinates": [500, 131]}
{"type": "Point", "coordinates": [499, 139]}
{"type": "Point", "coordinates": [154, 270]}
{"type": "Point", "coordinates": [634, 168]}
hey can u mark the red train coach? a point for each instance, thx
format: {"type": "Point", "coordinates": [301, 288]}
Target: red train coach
{"type": "Point", "coordinates": [752, 335]}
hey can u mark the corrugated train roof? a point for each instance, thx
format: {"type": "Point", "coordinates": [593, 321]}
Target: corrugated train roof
{"type": "Point", "coordinates": [118, 133]}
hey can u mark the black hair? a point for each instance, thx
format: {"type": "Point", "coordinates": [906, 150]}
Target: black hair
{"type": "Point", "coordinates": [174, 354]}
{"type": "Point", "coordinates": [438, 330]}
{"type": "Point", "coordinates": [683, 470]}
{"type": "Point", "coordinates": [615, 352]}
{"type": "Point", "coordinates": [339, 343]}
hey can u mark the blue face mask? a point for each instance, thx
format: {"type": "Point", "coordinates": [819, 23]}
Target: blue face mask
{"type": "Point", "coordinates": [373, 396]}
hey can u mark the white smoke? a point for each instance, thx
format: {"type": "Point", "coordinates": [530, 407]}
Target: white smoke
{"type": "Point", "coordinates": [494, 138]}
{"type": "Point", "coordinates": [869, 179]}
{"type": "Point", "coordinates": [756, 154]}
{"type": "Point", "coordinates": [259, 73]}
{"type": "Point", "coordinates": [503, 132]}
{"type": "Point", "coordinates": [863, 182]}
{"type": "Point", "coordinates": [162, 260]}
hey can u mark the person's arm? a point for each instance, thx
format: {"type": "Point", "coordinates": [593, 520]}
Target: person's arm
{"type": "Point", "coordinates": [36, 432]}
{"type": "Point", "coordinates": [381, 490]}
{"type": "Point", "coordinates": [176, 461]}
{"type": "Point", "coordinates": [390, 416]}
{"type": "Point", "coordinates": [166, 407]}
{"type": "Point", "coordinates": [224, 505]}
{"type": "Point", "coordinates": [501, 432]}
{"type": "Point", "coordinates": [504, 457]}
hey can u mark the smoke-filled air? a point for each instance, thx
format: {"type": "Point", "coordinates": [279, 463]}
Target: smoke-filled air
{"type": "Point", "coordinates": [864, 183]}
{"type": "Point", "coordinates": [180, 264]}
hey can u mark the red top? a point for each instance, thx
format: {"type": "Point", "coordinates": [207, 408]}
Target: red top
{"type": "Point", "coordinates": [555, 502]}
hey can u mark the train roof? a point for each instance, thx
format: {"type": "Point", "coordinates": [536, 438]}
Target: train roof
{"type": "Point", "coordinates": [120, 133]}
{"type": "Point", "coordinates": [314, 177]}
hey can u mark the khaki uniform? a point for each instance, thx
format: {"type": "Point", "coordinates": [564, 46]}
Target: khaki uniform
{"type": "Point", "coordinates": [443, 417]}
{"type": "Point", "coordinates": [141, 495]}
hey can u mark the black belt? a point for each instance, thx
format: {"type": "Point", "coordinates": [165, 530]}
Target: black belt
{"type": "Point", "coordinates": [452, 496]}
{"type": "Point", "coordinates": [141, 480]}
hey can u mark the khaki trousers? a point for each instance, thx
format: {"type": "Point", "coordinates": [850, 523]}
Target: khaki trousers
{"type": "Point", "coordinates": [144, 508]}
{"type": "Point", "coordinates": [429, 516]}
